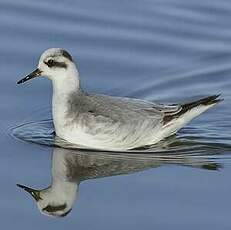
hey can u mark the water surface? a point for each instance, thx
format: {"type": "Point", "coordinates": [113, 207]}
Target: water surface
{"type": "Point", "coordinates": [159, 50]}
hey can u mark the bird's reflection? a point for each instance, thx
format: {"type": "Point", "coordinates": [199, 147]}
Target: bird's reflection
{"type": "Point", "coordinates": [71, 167]}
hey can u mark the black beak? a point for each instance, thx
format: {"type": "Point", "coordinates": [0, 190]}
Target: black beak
{"type": "Point", "coordinates": [34, 193]}
{"type": "Point", "coordinates": [35, 73]}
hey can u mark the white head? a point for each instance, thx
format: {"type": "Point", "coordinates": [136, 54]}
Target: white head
{"type": "Point", "coordinates": [56, 64]}
{"type": "Point", "coordinates": [54, 201]}
{"type": "Point", "coordinates": [57, 200]}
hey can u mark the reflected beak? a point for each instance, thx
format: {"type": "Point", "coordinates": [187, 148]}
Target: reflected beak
{"type": "Point", "coordinates": [34, 193]}
{"type": "Point", "coordinates": [35, 73]}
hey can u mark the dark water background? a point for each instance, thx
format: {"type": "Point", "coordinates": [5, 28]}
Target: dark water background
{"type": "Point", "coordinates": [161, 50]}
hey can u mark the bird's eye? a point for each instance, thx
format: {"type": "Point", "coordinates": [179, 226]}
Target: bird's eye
{"type": "Point", "coordinates": [50, 63]}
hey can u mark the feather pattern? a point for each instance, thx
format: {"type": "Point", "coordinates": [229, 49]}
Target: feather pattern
{"type": "Point", "coordinates": [115, 123]}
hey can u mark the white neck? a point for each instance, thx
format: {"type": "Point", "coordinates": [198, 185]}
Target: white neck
{"type": "Point", "coordinates": [62, 166]}
{"type": "Point", "coordinates": [63, 187]}
{"type": "Point", "coordinates": [66, 82]}
{"type": "Point", "coordinates": [63, 85]}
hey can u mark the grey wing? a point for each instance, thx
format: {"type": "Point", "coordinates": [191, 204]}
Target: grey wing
{"type": "Point", "coordinates": [135, 106]}
{"type": "Point", "coordinates": [106, 114]}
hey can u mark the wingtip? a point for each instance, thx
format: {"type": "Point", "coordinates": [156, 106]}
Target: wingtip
{"type": "Point", "coordinates": [213, 166]}
{"type": "Point", "coordinates": [206, 101]}
{"type": "Point", "coordinates": [217, 98]}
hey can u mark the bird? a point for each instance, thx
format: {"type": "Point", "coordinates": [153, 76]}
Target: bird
{"type": "Point", "coordinates": [103, 122]}
{"type": "Point", "coordinates": [70, 167]}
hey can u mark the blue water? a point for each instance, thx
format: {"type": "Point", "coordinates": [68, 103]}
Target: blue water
{"type": "Point", "coordinates": [160, 50]}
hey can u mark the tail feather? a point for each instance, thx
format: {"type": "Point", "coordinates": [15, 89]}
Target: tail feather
{"type": "Point", "coordinates": [207, 102]}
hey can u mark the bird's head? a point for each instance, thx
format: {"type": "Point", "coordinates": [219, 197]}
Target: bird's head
{"type": "Point", "coordinates": [52, 202]}
{"type": "Point", "coordinates": [54, 63]}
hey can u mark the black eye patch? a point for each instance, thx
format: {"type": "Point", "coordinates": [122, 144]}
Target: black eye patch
{"type": "Point", "coordinates": [51, 63]}
{"type": "Point", "coordinates": [50, 208]}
